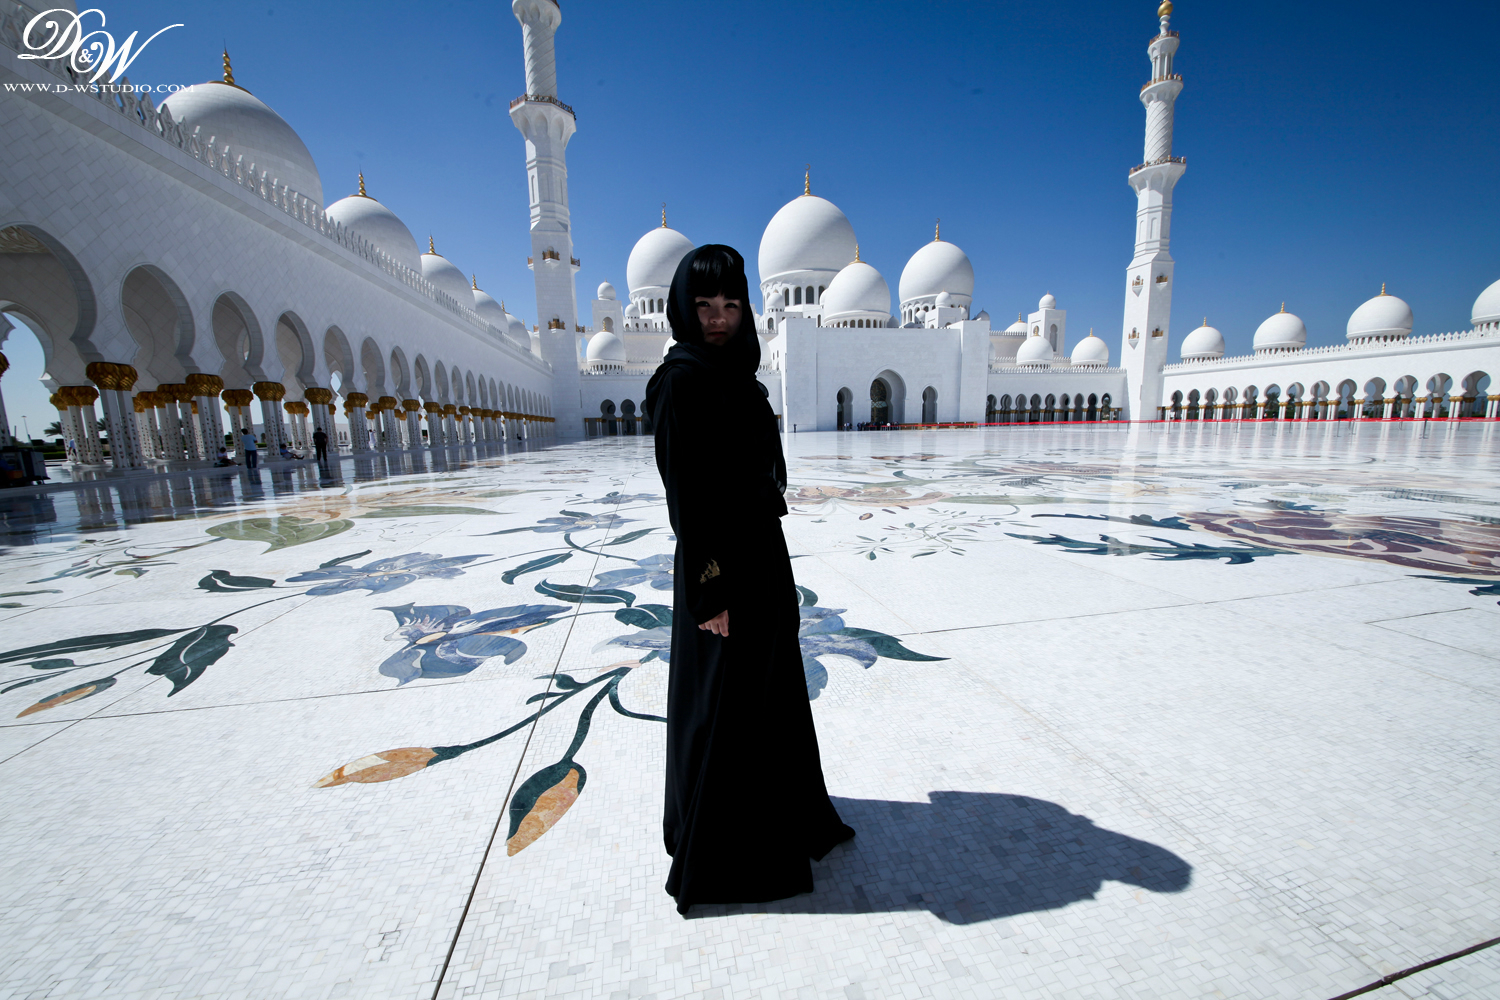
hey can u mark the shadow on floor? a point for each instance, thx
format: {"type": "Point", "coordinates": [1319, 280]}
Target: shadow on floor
{"type": "Point", "coordinates": [969, 857]}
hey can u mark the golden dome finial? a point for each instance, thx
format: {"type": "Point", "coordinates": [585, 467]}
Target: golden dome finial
{"type": "Point", "coordinates": [807, 179]}
{"type": "Point", "coordinates": [937, 231]}
{"type": "Point", "coordinates": [228, 72]}
{"type": "Point", "coordinates": [432, 249]}
{"type": "Point", "coordinates": [856, 253]}
{"type": "Point", "coordinates": [1165, 10]}
{"type": "Point", "coordinates": [1205, 321]}
{"type": "Point", "coordinates": [1283, 307]}
{"type": "Point", "coordinates": [1382, 288]}
{"type": "Point", "coordinates": [664, 215]}
{"type": "Point", "coordinates": [474, 282]}
{"type": "Point", "coordinates": [362, 185]}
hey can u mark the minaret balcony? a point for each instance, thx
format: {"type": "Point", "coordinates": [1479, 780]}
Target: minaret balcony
{"type": "Point", "coordinates": [542, 99]}
{"type": "Point", "coordinates": [1164, 79]}
{"type": "Point", "coordinates": [1158, 162]}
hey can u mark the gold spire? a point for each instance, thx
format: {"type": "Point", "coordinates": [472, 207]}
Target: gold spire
{"type": "Point", "coordinates": [474, 282]}
{"type": "Point", "coordinates": [664, 215]}
{"type": "Point", "coordinates": [362, 185]}
{"type": "Point", "coordinates": [856, 253]}
{"type": "Point", "coordinates": [430, 248]}
{"type": "Point", "coordinates": [1283, 307]}
{"type": "Point", "coordinates": [807, 180]}
{"type": "Point", "coordinates": [937, 231]}
{"type": "Point", "coordinates": [228, 72]}
{"type": "Point", "coordinates": [1382, 288]}
{"type": "Point", "coordinates": [1205, 321]}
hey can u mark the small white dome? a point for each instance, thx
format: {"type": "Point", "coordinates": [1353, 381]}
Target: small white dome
{"type": "Point", "coordinates": [517, 331]}
{"type": "Point", "coordinates": [654, 258]}
{"type": "Point", "coordinates": [1016, 329]}
{"type": "Point", "coordinates": [378, 224]}
{"type": "Point", "coordinates": [606, 348]}
{"type": "Point", "coordinates": [807, 234]}
{"type": "Point", "coordinates": [1089, 352]}
{"type": "Point", "coordinates": [983, 317]}
{"type": "Point", "coordinates": [1382, 317]}
{"type": "Point", "coordinates": [1282, 332]}
{"type": "Point", "coordinates": [1487, 306]}
{"type": "Point", "coordinates": [606, 291]}
{"type": "Point", "coordinates": [1048, 301]}
{"type": "Point", "coordinates": [1036, 351]}
{"type": "Point", "coordinates": [776, 301]}
{"type": "Point", "coordinates": [943, 301]}
{"type": "Point", "coordinates": [440, 271]}
{"type": "Point", "coordinates": [232, 116]}
{"type": "Point", "coordinates": [857, 289]}
{"type": "Point", "coordinates": [489, 310]}
{"type": "Point", "coordinates": [633, 311]}
{"type": "Point", "coordinates": [1204, 342]}
{"type": "Point", "coordinates": [938, 267]}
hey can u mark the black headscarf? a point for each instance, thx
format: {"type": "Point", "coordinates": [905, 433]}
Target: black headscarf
{"type": "Point", "coordinates": [720, 270]}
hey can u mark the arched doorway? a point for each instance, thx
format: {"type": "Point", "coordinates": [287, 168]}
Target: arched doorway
{"type": "Point", "coordinates": [929, 405]}
{"type": "Point", "coordinates": [627, 414]}
{"type": "Point", "coordinates": [892, 391]}
{"type": "Point", "coordinates": [880, 403]}
{"type": "Point", "coordinates": [845, 415]}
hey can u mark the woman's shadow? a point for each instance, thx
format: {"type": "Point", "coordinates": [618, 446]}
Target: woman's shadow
{"type": "Point", "coordinates": [972, 856]}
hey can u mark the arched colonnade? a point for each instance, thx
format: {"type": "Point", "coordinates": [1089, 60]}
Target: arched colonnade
{"type": "Point", "coordinates": [1439, 396]}
{"type": "Point", "coordinates": [188, 373]}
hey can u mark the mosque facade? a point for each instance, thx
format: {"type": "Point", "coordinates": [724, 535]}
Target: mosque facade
{"type": "Point", "coordinates": [222, 292]}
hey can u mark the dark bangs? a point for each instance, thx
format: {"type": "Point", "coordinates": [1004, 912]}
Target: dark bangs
{"type": "Point", "coordinates": [719, 271]}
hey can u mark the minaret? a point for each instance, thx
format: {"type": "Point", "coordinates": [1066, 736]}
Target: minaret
{"type": "Point", "coordinates": [1148, 280]}
{"type": "Point", "coordinates": [548, 124]}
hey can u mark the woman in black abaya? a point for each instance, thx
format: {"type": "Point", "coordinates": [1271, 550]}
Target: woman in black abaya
{"type": "Point", "coordinates": [746, 807]}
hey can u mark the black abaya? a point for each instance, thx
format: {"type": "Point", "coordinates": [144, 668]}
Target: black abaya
{"type": "Point", "coordinates": [746, 806]}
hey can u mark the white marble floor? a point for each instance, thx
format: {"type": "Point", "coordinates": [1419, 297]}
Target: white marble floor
{"type": "Point", "coordinates": [1192, 711]}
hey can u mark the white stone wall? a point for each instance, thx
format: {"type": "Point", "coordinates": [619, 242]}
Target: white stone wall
{"type": "Point", "coordinates": [113, 197]}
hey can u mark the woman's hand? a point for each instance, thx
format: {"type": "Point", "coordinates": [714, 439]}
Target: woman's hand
{"type": "Point", "coordinates": [718, 624]}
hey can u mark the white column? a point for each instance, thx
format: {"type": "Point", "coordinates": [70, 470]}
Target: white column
{"type": "Point", "coordinates": [271, 394]}
{"type": "Point", "coordinates": [6, 439]}
{"type": "Point", "coordinates": [413, 410]}
{"type": "Point", "coordinates": [359, 427]}
{"type": "Point", "coordinates": [115, 382]}
{"type": "Point", "coordinates": [320, 404]}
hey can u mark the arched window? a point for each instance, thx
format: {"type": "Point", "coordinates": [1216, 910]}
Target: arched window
{"type": "Point", "coordinates": [798, 296]}
{"type": "Point", "coordinates": [609, 324]}
{"type": "Point", "coordinates": [810, 298]}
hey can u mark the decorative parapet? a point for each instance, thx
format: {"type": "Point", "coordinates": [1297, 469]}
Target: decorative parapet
{"type": "Point", "coordinates": [1158, 161]}
{"type": "Point", "coordinates": [543, 99]}
{"type": "Point", "coordinates": [140, 110]}
{"type": "Point", "coordinates": [1357, 347]}
{"type": "Point", "coordinates": [1061, 370]}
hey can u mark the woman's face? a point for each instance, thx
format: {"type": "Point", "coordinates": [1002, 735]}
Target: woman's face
{"type": "Point", "coordinates": [719, 317]}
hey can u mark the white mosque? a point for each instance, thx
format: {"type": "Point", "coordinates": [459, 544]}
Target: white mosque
{"type": "Point", "coordinates": [224, 280]}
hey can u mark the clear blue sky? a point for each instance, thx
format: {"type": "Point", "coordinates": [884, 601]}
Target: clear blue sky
{"type": "Point", "coordinates": [1330, 146]}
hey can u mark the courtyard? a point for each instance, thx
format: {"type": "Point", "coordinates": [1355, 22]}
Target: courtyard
{"type": "Point", "coordinates": [1191, 710]}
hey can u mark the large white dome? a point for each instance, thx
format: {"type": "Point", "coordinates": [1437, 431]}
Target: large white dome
{"type": "Point", "coordinates": [938, 267]}
{"type": "Point", "coordinates": [654, 259]}
{"type": "Point", "coordinates": [808, 234]}
{"type": "Point", "coordinates": [440, 271]}
{"type": "Point", "coordinates": [1282, 332]}
{"type": "Point", "coordinates": [1090, 352]}
{"type": "Point", "coordinates": [858, 289]}
{"type": "Point", "coordinates": [606, 348]}
{"type": "Point", "coordinates": [378, 224]}
{"type": "Point", "coordinates": [1035, 351]}
{"type": "Point", "coordinates": [1487, 306]}
{"type": "Point", "coordinates": [233, 117]}
{"type": "Point", "coordinates": [1383, 317]}
{"type": "Point", "coordinates": [1204, 342]}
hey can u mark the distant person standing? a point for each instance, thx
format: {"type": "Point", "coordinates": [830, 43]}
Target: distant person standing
{"type": "Point", "coordinates": [247, 445]}
{"type": "Point", "coordinates": [320, 443]}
